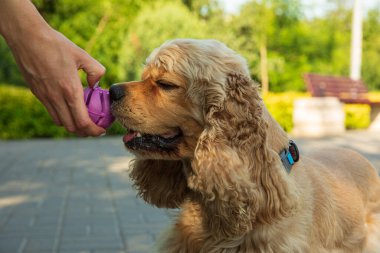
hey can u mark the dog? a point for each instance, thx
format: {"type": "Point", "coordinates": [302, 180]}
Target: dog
{"type": "Point", "coordinates": [205, 143]}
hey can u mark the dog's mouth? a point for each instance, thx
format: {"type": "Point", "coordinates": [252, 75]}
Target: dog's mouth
{"type": "Point", "coordinates": [168, 141]}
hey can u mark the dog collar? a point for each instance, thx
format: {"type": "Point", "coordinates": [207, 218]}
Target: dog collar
{"type": "Point", "coordinates": [289, 156]}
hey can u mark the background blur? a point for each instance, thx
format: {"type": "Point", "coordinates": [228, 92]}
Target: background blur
{"type": "Point", "coordinates": [290, 37]}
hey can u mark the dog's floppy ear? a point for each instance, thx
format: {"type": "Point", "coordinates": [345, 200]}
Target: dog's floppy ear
{"type": "Point", "coordinates": [160, 182]}
{"type": "Point", "coordinates": [221, 167]}
{"type": "Point", "coordinates": [240, 178]}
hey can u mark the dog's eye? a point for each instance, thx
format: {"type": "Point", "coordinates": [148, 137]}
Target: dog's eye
{"type": "Point", "coordinates": [165, 85]}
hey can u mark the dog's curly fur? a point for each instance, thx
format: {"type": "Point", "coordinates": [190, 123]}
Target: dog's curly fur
{"type": "Point", "coordinates": [226, 175]}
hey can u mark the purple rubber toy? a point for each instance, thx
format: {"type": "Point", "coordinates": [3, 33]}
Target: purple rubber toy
{"type": "Point", "coordinates": [99, 106]}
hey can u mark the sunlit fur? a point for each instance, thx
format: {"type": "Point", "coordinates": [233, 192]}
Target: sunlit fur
{"type": "Point", "coordinates": [226, 176]}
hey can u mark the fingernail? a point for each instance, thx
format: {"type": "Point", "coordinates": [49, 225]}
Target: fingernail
{"type": "Point", "coordinates": [103, 134]}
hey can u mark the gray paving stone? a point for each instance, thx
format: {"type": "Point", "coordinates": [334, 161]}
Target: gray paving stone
{"type": "Point", "coordinates": [109, 251]}
{"type": "Point", "coordinates": [74, 195]}
{"type": "Point", "coordinates": [11, 244]}
{"type": "Point", "coordinates": [28, 230]}
{"type": "Point", "coordinates": [154, 230]}
{"type": "Point", "coordinates": [94, 251]}
{"type": "Point", "coordinates": [141, 242]}
{"type": "Point", "coordinates": [38, 245]}
{"type": "Point", "coordinates": [91, 244]}
{"type": "Point", "coordinates": [75, 251]}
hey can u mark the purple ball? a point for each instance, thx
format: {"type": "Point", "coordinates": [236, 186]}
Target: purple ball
{"type": "Point", "coordinates": [99, 106]}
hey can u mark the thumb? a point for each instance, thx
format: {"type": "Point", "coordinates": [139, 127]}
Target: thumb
{"type": "Point", "coordinates": [93, 69]}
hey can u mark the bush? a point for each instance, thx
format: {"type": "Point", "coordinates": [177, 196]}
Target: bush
{"type": "Point", "coordinates": [23, 116]}
{"type": "Point", "coordinates": [116, 129]}
{"type": "Point", "coordinates": [280, 105]}
{"type": "Point", "coordinates": [357, 116]}
{"type": "Point", "coordinates": [374, 96]}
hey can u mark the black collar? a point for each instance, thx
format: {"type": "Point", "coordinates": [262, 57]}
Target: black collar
{"type": "Point", "coordinates": [289, 156]}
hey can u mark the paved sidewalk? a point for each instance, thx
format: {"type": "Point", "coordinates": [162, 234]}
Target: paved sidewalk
{"type": "Point", "coordinates": [65, 196]}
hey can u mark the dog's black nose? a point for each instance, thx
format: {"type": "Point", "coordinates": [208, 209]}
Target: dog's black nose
{"type": "Point", "coordinates": [116, 92]}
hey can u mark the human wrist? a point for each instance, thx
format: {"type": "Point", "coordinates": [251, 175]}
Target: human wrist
{"type": "Point", "coordinates": [23, 26]}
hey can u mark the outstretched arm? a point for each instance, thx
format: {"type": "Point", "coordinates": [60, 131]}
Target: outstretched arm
{"type": "Point", "coordinates": [49, 63]}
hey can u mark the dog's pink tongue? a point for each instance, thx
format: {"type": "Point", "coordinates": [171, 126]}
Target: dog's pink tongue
{"type": "Point", "coordinates": [129, 136]}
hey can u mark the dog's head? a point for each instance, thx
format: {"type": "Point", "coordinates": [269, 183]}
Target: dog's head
{"type": "Point", "coordinates": [166, 111]}
{"type": "Point", "coordinates": [190, 120]}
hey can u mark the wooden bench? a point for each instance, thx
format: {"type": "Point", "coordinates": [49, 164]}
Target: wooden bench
{"type": "Point", "coordinates": [345, 89]}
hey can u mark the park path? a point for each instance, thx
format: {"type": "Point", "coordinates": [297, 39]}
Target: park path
{"type": "Point", "coordinates": [66, 196]}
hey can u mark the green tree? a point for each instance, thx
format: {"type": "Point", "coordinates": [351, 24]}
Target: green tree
{"type": "Point", "coordinates": [154, 25]}
{"type": "Point", "coordinates": [9, 71]}
{"type": "Point", "coordinates": [257, 29]}
{"type": "Point", "coordinates": [205, 9]}
{"type": "Point", "coordinates": [371, 50]}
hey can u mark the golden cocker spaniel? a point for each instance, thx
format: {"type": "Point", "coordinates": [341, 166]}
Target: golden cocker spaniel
{"type": "Point", "coordinates": [205, 143]}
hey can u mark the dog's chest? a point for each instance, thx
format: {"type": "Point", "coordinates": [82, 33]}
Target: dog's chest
{"type": "Point", "coordinates": [190, 234]}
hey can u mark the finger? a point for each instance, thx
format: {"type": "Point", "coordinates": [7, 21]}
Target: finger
{"type": "Point", "coordinates": [92, 67]}
{"type": "Point", "coordinates": [64, 115]}
{"type": "Point", "coordinates": [84, 125]}
{"type": "Point", "coordinates": [52, 113]}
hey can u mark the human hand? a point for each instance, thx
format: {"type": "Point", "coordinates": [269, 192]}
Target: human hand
{"type": "Point", "coordinates": [49, 63]}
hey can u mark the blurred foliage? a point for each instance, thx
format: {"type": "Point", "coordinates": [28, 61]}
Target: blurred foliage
{"type": "Point", "coordinates": [116, 129]}
{"type": "Point", "coordinates": [371, 52]}
{"type": "Point", "coordinates": [122, 33]}
{"type": "Point", "coordinates": [357, 116]}
{"type": "Point", "coordinates": [8, 69]}
{"type": "Point", "coordinates": [280, 106]}
{"type": "Point", "coordinates": [151, 34]}
{"type": "Point", "coordinates": [374, 96]}
{"type": "Point", "coordinates": [23, 116]}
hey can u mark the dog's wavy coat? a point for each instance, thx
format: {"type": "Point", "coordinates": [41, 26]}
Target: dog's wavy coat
{"type": "Point", "coordinates": [205, 143]}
